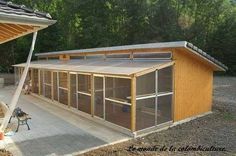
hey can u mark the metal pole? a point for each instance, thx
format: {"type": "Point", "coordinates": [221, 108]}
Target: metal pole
{"type": "Point", "coordinates": [17, 93]}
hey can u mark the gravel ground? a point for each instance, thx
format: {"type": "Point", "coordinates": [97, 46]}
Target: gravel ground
{"type": "Point", "coordinates": [217, 129]}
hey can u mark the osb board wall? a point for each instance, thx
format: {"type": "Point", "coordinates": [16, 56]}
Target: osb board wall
{"type": "Point", "coordinates": [193, 86]}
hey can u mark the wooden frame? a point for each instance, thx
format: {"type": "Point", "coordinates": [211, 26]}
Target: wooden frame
{"type": "Point", "coordinates": [133, 104]}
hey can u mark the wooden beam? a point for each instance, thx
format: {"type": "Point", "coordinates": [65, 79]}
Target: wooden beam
{"type": "Point", "coordinates": [92, 95]}
{"type": "Point", "coordinates": [133, 104]}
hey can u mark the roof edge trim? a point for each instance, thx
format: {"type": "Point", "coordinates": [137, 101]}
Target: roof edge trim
{"type": "Point", "coordinates": [22, 19]}
{"type": "Point", "coordinates": [205, 56]}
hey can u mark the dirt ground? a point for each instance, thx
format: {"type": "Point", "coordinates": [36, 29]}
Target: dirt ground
{"type": "Point", "coordinates": [217, 129]}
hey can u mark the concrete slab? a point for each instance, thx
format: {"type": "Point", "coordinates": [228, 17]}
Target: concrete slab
{"type": "Point", "coordinates": [55, 131]}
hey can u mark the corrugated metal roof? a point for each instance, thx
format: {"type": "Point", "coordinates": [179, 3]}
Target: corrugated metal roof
{"type": "Point", "coordinates": [110, 67]}
{"type": "Point", "coordinates": [177, 44]}
{"type": "Point", "coordinates": [11, 8]}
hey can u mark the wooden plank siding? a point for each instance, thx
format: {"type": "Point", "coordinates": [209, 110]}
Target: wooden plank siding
{"type": "Point", "coordinates": [193, 86]}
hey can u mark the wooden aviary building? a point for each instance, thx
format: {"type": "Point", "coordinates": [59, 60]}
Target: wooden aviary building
{"type": "Point", "coordinates": [134, 88]}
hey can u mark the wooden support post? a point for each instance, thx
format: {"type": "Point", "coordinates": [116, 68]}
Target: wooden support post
{"type": "Point", "coordinates": [39, 79]}
{"type": "Point", "coordinates": [52, 83]}
{"type": "Point", "coordinates": [133, 104]}
{"type": "Point", "coordinates": [92, 95]}
{"type": "Point", "coordinates": [69, 86]}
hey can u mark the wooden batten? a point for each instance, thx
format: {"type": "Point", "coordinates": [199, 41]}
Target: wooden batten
{"type": "Point", "coordinates": [133, 104]}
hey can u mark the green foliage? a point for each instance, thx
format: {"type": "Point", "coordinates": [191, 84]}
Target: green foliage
{"type": "Point", "coordinates": [211, 25]}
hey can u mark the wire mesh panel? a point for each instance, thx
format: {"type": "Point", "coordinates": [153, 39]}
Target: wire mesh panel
{"type": "Point", "coordinates": [73, 91]}
{"type": "Point", "coordinates": [145, 113]}
{"type": "Point", "coordinates": [41, 83]}
{"type": "Point", "coordinates": [117, 101]}
{"type": "Point", "coordinates": [145, 101]}
{"type": "Point", "coordinates": [47, 84]}
{"type": "Point", "coordinates": [28, 77]}
{"type": "Point", "coordinates": [63, 80]}
{"type": "Point", "coordinates": [118, 114]}
{"type": "Point", "coordinates": [84, 93]}
{"type": "Point", "coordinates": [118, 89]}
{"type": "Point", "coordinates": [55, 86]}
{"type": "Point", "coordinates": [146, 85]}
{"type": "Point", "coordinates": [164, 109]}
{"type": "Point", "coordinates": [164, 95]}
{"type": "Point", "coordinates": [63, 96]}
{"type": "Point", "coordinates": [35, 81]}
{"type": "Point", "coordinates": [98, 97]}
{"type": "Point", "coordinates": [63, 88]}
{"type": "Point", "coordinates": [48, 91]}
{"type": "Point", "coordinates": [165, 80]}
{"type": "Point", "coordinates": [84, 103]}
{"type": "Point", "coordinates": [47, 77]}
{"type": "Point", "coordinates": [84, 83]}
{"type": "Point", "coordinates": [17, 74]}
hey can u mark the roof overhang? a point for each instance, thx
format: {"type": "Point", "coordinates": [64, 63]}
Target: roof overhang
{"type": "Point", "coordinates": [17, 21]}
{"type": "Point", "coordinates": [12, 27]}
{"type": "Point", "coordinates": [25, 20]}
